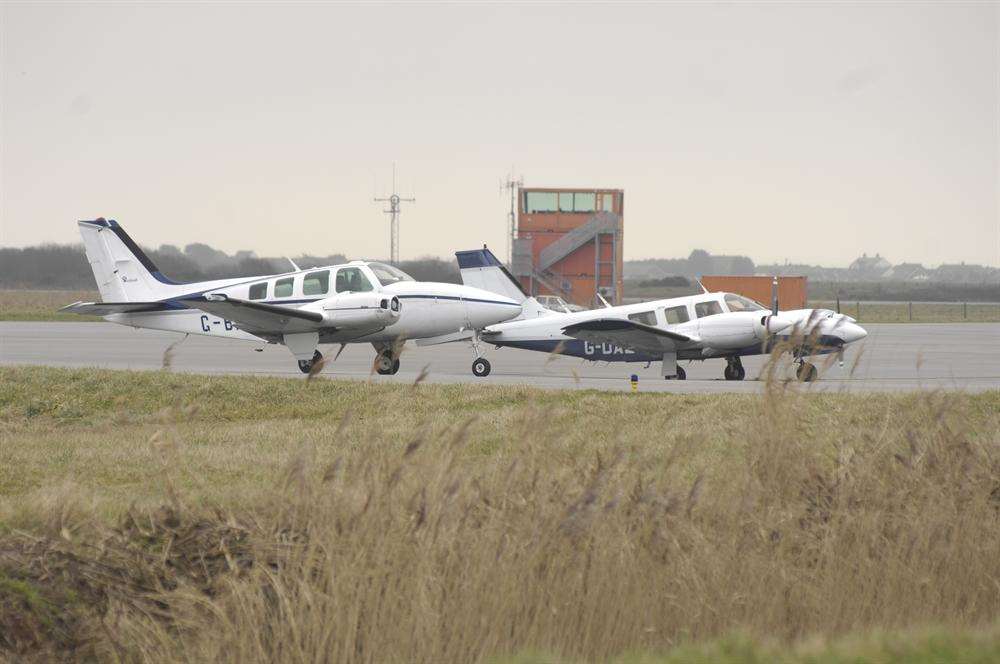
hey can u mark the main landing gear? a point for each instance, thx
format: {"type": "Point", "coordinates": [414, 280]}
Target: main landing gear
{"type": "Point", "coordinates": [305, 366]}
{"type": "Point", "coordinates": [386, 364]}
{"type": "Point", "coordinates": [681, 375]}
{"type": "Point", "coordinates": [806, 372]}
{"type": "Point", "coordinates": [734, 369]}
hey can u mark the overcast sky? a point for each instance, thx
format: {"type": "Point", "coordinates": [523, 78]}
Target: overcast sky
{"type": "Point", "coordinates": [804, 132]}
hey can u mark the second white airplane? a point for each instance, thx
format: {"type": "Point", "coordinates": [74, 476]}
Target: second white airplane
{"type": "Point", "coordinates": [695, 327]}
{"type": "Point", "coordinates": [359, 302]}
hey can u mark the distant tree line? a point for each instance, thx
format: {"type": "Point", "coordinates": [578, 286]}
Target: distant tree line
{"type": "Point", "coordinates": [65, 266]}
{"type": "Point", "coordinates": [676, 281]}
{"type": "Point", "coordinates": [698, 263]}
{"type": "Point", "coordinates": [903, 291]}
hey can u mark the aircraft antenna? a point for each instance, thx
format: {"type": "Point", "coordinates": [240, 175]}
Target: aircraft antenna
{"type": "Point", "coordinates": [511, 186]}
{"type": "Point", "coordinates": [394, 209]}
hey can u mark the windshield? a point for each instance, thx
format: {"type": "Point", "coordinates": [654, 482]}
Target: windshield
{"type": "Point", "coordinates": [388, 274]}
{"type": "Point", "coordinates": [740, 303]}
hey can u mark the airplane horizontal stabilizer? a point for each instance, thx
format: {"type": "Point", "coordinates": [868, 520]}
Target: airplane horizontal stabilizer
{"type": "Point", "coordinates": [105, 308]}
{"type": "Point", "coordinates": [461, 335]}
{"type": "Point", "coordinates": [627, 333]}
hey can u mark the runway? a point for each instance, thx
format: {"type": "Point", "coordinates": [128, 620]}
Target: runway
{"type": "Point", "coordinates": [895, 357]}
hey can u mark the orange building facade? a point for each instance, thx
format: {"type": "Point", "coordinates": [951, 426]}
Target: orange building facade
{"type": "Point", "coordinates": [568, 243]}
{"type": "Point", "coordinates": [792, 291]}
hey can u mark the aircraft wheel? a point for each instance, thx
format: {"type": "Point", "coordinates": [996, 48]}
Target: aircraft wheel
{"type": "Point", "coordinates": [481, 367]}
{"type": "Point", "coordinates": [734, 372]}
{"type": "Point", "coordinates": [385, 365]}
{"type": "Point", "coordinates": [681, 375]}
{"type": "Point", "coordinates": [806, 372]}
{"type": "Point", "coordinates": [305, 366]}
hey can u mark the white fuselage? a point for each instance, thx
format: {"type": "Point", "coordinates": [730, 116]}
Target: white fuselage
{"type": "Point", "coordinates": [428, 309]}
{"type": "Point", "coordinates": [694, 316]}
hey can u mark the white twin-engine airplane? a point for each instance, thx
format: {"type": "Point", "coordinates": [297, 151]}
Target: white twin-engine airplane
{"type": "Point", "coordinates": [695, 327]}
{"type": "Point", "coordinates": [360, 302]}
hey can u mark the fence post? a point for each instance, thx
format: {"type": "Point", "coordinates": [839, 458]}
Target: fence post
{"type": "Point", "coordinates": [965, 311]}
{"type": "Point", "coordinates": [838, 303]}
{"type": "Point", "coordinates": [857, 311]}
{"type": "Point", "coordinates": [910, 310]}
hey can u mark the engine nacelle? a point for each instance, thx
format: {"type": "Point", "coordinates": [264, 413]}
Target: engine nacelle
{"type": "Point", "coordinates": [360, 311]}
{"type": "Point", "coordinates": [739, 329]}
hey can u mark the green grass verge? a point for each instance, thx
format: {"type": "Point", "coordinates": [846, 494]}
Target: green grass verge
{"type": "Point", "coordinates": [927, 646]}
{"type": "Point", "coordinates": [43, 305]}
{"type": "Point", "coordinates": [886, 312]}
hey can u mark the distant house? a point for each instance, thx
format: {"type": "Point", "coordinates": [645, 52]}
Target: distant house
{"type": "Point", "coordinates": [908, 272]}
{"type": "Point", "coordinates": [964, 274]}
{"type": "Point", "coordinates": [869, 266]}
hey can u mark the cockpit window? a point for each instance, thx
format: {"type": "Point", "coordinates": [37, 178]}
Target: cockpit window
{"type": "Point", "coordinates": [740, 303]}
{"type": "Point", "coordinates": [387, 274]}
{"type": "Point", "coordinates": [710, 308]}
{"type": "Point", "coordinates": [352, 280]}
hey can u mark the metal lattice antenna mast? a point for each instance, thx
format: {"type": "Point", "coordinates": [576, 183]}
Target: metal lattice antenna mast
{"type": "Point", "coordinates": [511, 186]}
{"type": "Point", "coordinates": [394, 200]}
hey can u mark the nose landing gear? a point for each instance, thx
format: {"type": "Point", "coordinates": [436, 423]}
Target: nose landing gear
{"type": "Point", "coordinates": [480, 366]}
{"type": "Point", "coordinates": [734, 369]}
{"type": "Point", "coordinates": [806, 372]}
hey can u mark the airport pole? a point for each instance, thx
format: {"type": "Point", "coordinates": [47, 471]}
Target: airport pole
{"type": "Point", "coordinates": [838, 303]}
{"type": "Point", "coordinates": [910, 310]}
{"type": "Point", "coordinates": [857, 312]}
{"type": "Point", "coordinates": [965, 310]}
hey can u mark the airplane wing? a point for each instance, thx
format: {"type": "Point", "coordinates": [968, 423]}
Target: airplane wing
{"type": "Point", "coordinates": [621, 332]}
{"type": "Point", "coordinates": [257, 317]}
{"type": "Point", "coordinates": [105, 308]}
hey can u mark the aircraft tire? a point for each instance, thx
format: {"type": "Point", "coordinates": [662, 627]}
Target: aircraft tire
{"type": "Point", "coordinates": [734, 372]}
{"type": "Point", "coordinates": [481, 367]}
{"type": "Point", "coordinates": [806, 372]}
{"type": "Point", "coordinates": [305, 366]}
{"type": "Point", "coordinates": [385, 366]}
{"type": "Point", "coordinates": [681, 375]}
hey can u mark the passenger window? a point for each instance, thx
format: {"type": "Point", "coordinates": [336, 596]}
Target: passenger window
{"type": "Point", "coordinates": [351, 279]}
{"type": "Point", "coordinates": [644, 317]}
{"type": "Point", "coordinates": [703, 309]}
{"type": "Point", "coordinates": [258, 291]}
{"type": "Point", "coordinates": [676, 315]}
{"type": "Point", "coordinates": [283, 287]}
{"type": "Point", "coordinates": [316, 283]}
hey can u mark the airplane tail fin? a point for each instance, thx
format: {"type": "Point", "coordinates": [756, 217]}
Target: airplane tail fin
{"type": "Point", "coordinates": [481, 269]}
{"type": "Point", "coordinates": [123, 271]}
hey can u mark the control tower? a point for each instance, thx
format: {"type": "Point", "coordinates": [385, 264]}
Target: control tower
{"type": "Point", "coordinates": [568, 242]}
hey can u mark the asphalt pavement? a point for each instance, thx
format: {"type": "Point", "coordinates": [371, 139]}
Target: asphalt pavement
{"type": "Point", "coordinates": [896, 357]}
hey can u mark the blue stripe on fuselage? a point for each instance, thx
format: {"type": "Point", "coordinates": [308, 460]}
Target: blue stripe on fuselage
{"type": "Point", "coordinates": [577, 348]}
{"type": "Point", "coordinates": [455, 297]}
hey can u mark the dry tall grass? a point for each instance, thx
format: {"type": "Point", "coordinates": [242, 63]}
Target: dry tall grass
{"type": "Point", "coordinates": [428, 549]}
